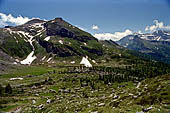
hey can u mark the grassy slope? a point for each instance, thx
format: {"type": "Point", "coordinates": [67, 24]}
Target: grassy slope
{"type": "Point", "coordinates": [103, 98]}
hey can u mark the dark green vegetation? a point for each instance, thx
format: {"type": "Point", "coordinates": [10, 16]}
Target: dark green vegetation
{"type": "Point", "coordinates": [15, 47]}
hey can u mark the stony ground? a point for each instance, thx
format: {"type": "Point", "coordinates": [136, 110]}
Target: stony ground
{"type": "Point", "coordinates": [55, 90]}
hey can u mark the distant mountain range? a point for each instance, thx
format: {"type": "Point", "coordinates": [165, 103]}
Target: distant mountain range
{"type": "Point", "coordinates": [154, 45]}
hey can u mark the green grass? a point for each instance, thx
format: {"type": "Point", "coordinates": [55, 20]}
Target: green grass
{"type": "Point", "coordinates": [83, 98]}
{"type": "Point", "coordinates": [7, 108]}
{"type": "Point", "coordinates": [27, 70]}
{"type": "Point", "coordinates": [20, 49]}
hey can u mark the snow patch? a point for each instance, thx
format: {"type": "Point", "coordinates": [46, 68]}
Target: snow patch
{"type": "Point", "coordinates": [25, 40]}
{"type": "Point", "coordinates": [17, 60]}
{"type": "Point", "coordinates": [38, 25]}
{"type": "Point", "coordinates": [131, 38]}
{"type": "Point", "coordinates": [30, 58]}
{"type": "Point", "coordinates": [94, 61]}
{"type": "Point", "coordinates": [85, 62]}
{"type": "Point", "coordinates": [10, 31]}
{"type": "Point", "coordinates": [85, 44]}
{"type": "Point", "coordinates": [144, 37]}
{"type": "Point", "coordinates": [53, 21]}
{"type": "Point", "coordinates": [49, 59]}
{"type": "Point", "coordinates": [61, 42]}
{"type": "Point", "coordinates": [15, 38]}
{"type": "Point", "coordinates": [126, 45]}
{"type": "Point", "coordinates": [158, 39]}
{"type": "Point", "coordinates": [72, 62]}
{"type": "Point", "coordinates": [28, 37]}
{"type": "Point", "coordinates": [16, 78]}
{"type": "Point", "coordinates": [47, 38]}
{"type": "Point", "coordinates": [22, 32]}
{"type": "Point", "coordinates": [43, 58]}
{"type": "Point", "coordinates": [15, 63]}
{"type": "Point", "coordinates": [138, 85]}
{"type": "Point", "coordinates": [167, 40]}
{"type": "Point", "coordinates": [167, 34]}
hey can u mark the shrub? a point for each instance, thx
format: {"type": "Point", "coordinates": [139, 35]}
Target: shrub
{"type": "Point", "coordinates": [8, 89]}
{"type": "Point", "coordinates": [1, 89]}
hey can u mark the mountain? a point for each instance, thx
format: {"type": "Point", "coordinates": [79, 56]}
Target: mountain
{"type": "Point", "coordinates": [155, 45]}
{"type": "Point", "coordinates": [55, 80]}
{"type": "Point", "coordinates": [43, 41]}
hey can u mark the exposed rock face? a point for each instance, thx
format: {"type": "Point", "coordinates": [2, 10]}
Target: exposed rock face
{"type": "Point", "coordinates": [67, 51]}
{"type": "Point", "coordinates": [51, 48]}
{"type": "Point", "coordinates": [94, 51]}
{"type": "Point", "coordinates": [54, 28]}
{"type": "Point", "coordinates": [59, 27]}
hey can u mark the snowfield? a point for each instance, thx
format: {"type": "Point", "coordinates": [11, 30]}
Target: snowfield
{"type": "Point", "coordinates": [30, 58]}
{"type": "Point", "coordinates": [85, 62]}
{"type": "Point", "coordinates": [47, 38]}
{"type": "Point", "coordinates": [61, 42]}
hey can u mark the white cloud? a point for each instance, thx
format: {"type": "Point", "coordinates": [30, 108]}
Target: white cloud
{"type": "Point", "coordinates": [5, 19]}
{"type": "Point", "coordinates": [2, 24]}
{"type": "Point", "coordinates": [115, 36]}
{"type": "Point", "coordinates": [157, 25]}
{"type": "Point", "coordinates": [95, 27]}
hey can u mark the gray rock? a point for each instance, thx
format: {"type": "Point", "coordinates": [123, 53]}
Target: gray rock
{"type": "Point", "coordinates": [53, 91]}
{"type": "Point", "coordinates": [37, 94]}
{"type": "Point", "coordinates": [40, 106]}
{"type": "Point", "coordinates": [116, 96]}
{"type": "Point", "coordinates": [66, 91]}
{"type": "Point", "coordinates": [33, 102]}
{"type": "Point", "coordinates": [101, 104]}
{"type": "Point", "coordinates": [147, 109]}
{"type": "Point", "coordinates": [48, 101]}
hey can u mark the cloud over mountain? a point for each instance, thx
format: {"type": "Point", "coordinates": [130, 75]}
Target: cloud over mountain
{"type": "Point", "coordinates": [10, 19]}
{"type": "Point", "coordinates": [157, 25]}
{"type": "Point", "coordinates": [113, 36]}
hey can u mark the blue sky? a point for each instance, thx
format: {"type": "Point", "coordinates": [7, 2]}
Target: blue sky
{"type": "Point", "coordinates": [109, 16]}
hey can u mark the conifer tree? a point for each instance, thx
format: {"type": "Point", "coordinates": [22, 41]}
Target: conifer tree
{"type": "Point", "coordinates": [8, 89]}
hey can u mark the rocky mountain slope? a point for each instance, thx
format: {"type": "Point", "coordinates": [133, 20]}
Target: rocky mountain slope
{"type": "Point", "coordinates": [43, 41]}
{"type": "Point", "coordinates": [155, 45]}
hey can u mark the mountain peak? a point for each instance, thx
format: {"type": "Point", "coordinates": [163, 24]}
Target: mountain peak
{"type": "Point", "coordinates": [58, 19]}
{"type": "Point", "coordinates": [33, 21]}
